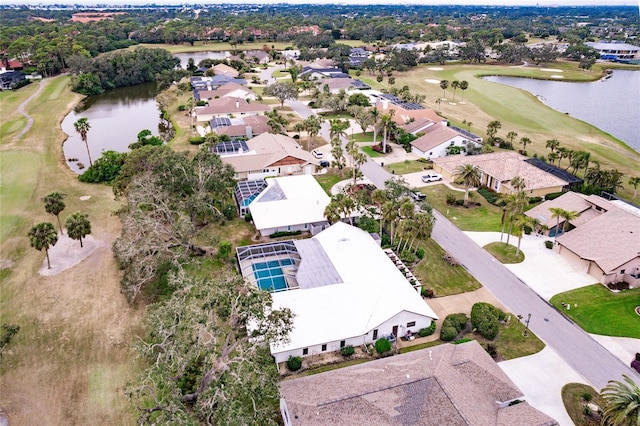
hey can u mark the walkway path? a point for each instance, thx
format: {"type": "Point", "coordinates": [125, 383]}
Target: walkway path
{"type": "Point", "coordinates": [21, 110]}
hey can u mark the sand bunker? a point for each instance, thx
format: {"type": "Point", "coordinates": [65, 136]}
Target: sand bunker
{"type": "Point", "coordinates": [85, 197]}
{"type": "Point", "coordinates": [550, 70]}
{"type": "Point", "coordinates": [557, 76]}
{"type": "Point", "coordinates": [67, 253]}
{"type": "Point", "coordinates": [432, 81]}
{"type": "Point", "coordinates": [435, 69]}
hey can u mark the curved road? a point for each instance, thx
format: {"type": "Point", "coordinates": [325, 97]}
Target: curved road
{"type": "Point", "coordinates": [21, 110]}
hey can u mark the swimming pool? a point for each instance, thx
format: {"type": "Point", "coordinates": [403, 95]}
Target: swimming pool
{"type": "Point", "coordinates": [269, 275]}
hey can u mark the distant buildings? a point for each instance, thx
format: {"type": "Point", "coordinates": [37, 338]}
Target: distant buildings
{"type": "Point", "coordinates": [616, 51]}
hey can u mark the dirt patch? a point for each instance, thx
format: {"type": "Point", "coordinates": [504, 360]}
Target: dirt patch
{"type": "Point", "coordinates": [68, 253]}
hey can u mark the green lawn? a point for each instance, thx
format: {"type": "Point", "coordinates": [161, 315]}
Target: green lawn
{"type": "Point", "coordinates": [407, 166]}
{"type": "Point", "coordinates": [505, 253]}
{"type": "Point", "coordinates": [327, 181]}
{"type": "Point", "coordinates": [574, 402]}
{"type": "Point", "coordinates": [370, 152]}
{"type": "Point", "coordinates": [600, 311]}
{"type": "Point", "coordinates": [435, 273]}
{"type": "Point", "coordinates": [483, 218]}
{"type": "Point", "coordinates": [363, 137]}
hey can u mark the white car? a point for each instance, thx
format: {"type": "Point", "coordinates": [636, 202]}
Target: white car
{"type": "Point", "coordinates": [316, 153]}
{"type": "Point", "coordinates": [431, 177]}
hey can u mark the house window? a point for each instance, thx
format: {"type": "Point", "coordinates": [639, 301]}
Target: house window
{"type": "Point", "coordinates": [375, 334]}
{"type": "Point", "coordinates": [324, 347]}
{"type": "Point", "coordinates": [343, 343]}
{"type": "Point", "coordinates": [305, 351]}
{"type": "Point", "coordinates": [411, 324]}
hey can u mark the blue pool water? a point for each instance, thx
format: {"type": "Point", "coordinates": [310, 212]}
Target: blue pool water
{"type": "Point", "coordinates": [248, 201]}
{"type": "Point", "coordinates": [269, 274]}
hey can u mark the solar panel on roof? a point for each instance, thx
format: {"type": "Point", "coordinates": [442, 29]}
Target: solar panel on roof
{"type": "Point", "coordinates": [229, 147]}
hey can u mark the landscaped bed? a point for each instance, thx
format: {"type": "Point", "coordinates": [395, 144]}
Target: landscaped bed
{"type": "Point", "coordinates": [600, 311]}
{"type": "Point", "coordinates": [576, 398]}
{"type": "Point", "coordinates": [505, 253]}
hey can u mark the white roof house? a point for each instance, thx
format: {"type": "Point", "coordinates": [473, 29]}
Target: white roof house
{"type": "Point", "coordinates": [343, 290]}
{"type": "Point", "coordinates": [290, 203]}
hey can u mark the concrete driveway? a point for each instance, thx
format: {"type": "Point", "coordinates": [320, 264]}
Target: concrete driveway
{"type": "Point", "coordinates": [559, 276]}
{"type": "Point", "coordinates": [541, 377]}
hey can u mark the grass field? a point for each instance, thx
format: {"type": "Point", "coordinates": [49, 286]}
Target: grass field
{"type": "Point", "coordinates": [370, 152]}
{"type": "Point", "coordinates": [407, 166]}
{"type": "Point", "coordinates": [483, 218]}
{"type": "Point", "coordinates": [327, 181]}
{"type": "Point", "coordinates": [600, 311]}
{"type": "Point", "coordinates": [505, 253]}
{"type": "Point", "coordinates": [72, 357]}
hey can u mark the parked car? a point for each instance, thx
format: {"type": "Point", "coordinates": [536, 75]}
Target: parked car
{"type": "Point", "coordinates": [431, 177]}
{"type": "Point", "coordinates": [391, 338]}
{"type": "Point", "coordinates": [316, 153]}
{"type": "Point", "coordinates": [324, 163]}
{"type": "Point", "coordinates": [418, 196]}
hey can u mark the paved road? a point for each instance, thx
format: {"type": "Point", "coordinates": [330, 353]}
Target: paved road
{"type": "Point", "coordinates": [589, 359]}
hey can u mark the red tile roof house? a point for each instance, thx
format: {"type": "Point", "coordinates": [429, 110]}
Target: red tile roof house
{"type": "Point", "coordinates": [229, 107]}
{"type": "Point", "coordinates": [249, 126]}
{"type": "Point", "coordinates": [413, 121]}
{"type": "Point", "coordinates": [272, 155]}
{"type": "Point", "coordinates": [453, 385]}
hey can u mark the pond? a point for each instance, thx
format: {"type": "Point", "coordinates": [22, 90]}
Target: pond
{"type": "Point", "coordinates": [611, 104]}
{"type": "Point", "coordinates": [116, 117]}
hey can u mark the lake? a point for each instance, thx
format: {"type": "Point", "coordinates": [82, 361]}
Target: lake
{"type": "Point", "coordinates": [116, 117]}
{"type": "Point", "coordinates": [612, 104]}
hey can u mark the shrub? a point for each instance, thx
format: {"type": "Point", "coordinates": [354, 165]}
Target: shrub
{"type": "Point", "coordinates": [347, 351]}
{"type": "Point", "coordinates": [201, 103]}
{"type": "Point", "coordinates": [382, 345]}
{"type": "Point", "coordinates": [527, 230]}
{"type": "Point", "coordinates": [294, 363]}
{"type": "Point", "coordinates": [553, 195]}
{"type": "Point", "coordinates": [182, 107]}
{"type": "Point", "coordinates": [463, 340]}
{"type": "Point", "coordinates": [485, 318]}
{"type": "Point", "coordinates": [548, 244]}
{"type": "Point", "coordinates": [229, 212]}
{"type": "Point", "coordinates": [420, 253]}
{"type": "Point", "coordinates": [458, 321]}
{"type": "Point", "coordinates": [408, 257]}
{"type": "Point", "coordinates": [197, 140]}
{"type": "Point", "coordinates": [427, 292]}
{"type": "Point", "coordinates": [447, 334]}
{"type": "Point", "coordinates": [489, 195]}
{"type": "Point", "coordinates": [533, 200]}
{"type": "Point", "coordinates": [424, 332]}
{"type": "Point", "coordinates": [105, 169]}
{"type": "Point", "coordinates": [284, 233]}
{"type": "Point", "coordinates": [248, 217]}
{"type": "Point", "coordinates": [460, 203]}
{"type": "Point", "coordinates": [451, 198]}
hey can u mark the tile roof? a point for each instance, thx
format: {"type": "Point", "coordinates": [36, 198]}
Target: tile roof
{"type": "Point", "coordinates": [403, 116]}
{"type": "Point", "coordinates": [610, 240]}
{"type": "Point", "coordinates": [504, 166]}
{"type": "Point", "coordinates": [570, 201]}
{"type": "Point", "coordinates": [225, 70]}
{"type": "Point", "coordinates": [434, 137]}
{"type": "Point", "coordinates": [229, 105]}
{"type": "Point", "coordinates": [443, 385]}
{"type": "Point", "coordinates": [258, 124]}
{"type": "Point", "coordinates": [265, 150]}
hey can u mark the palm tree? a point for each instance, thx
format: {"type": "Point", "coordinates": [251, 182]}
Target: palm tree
{"type": "Point", "coordinates": [511, 136]}
{"type": "Point", "coordinates": [521, 222]}
{"type": "Point", "coordinates": [78, 226]}
{"type": "Point", "coordinates": [386, 120]}
{"type": "Point", "coordinates": [443, 85]}
{"type": "Point", "coordinates": [54, 205]}
{"type": "Point", "coordinates": [524, 141]}
{"type": "Point", "coordinates": [552, 144]}
{"type": "Point", "coordinates": [378, 198]}
{"type": "Point", "coordinates": [337, 128]}
{"type": "Point", "coordinates": [469, 174]}
{"type": "Point", "coordinates": [42, 236]}
{"type": "Point", "coordinates": [332, 211]}
{"type": "Point", "coordinates": [464, 85]}
{"type": "Point", "coordinates": [454, 85]}
{"type": "Point", "coordinates": [622, 403]}
{"type": "Point", "coordinates": [312, 125]}
{"type": "Point", "coordinates": [552, 157]}
{"type": "Point", "coordinates": [374, 113]}
{"type": "Point", "coordinates": [519, 201]}
{"type": "Point", "coordinates": [634, 181]}
{"type": "Point", "coordinates": [390, 214]}
{"type": "Point", "coordinates": [557, 213]}
{"type": "Point", "coordinates": [562, 153]}
{"type": "Point", "coordinates": [568, 215]}
{"type": "Point", "coordinates": [492, 129]}
{"type": "Point", "coordinates": [82, 126]}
